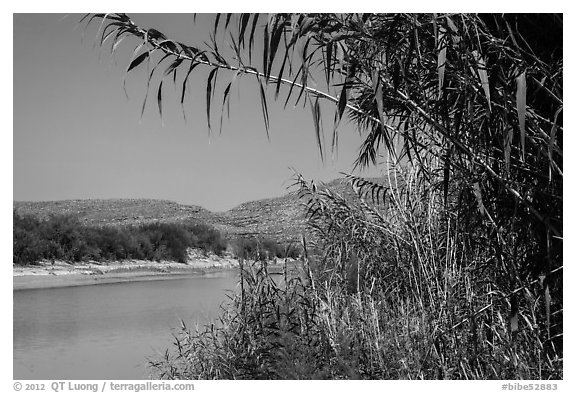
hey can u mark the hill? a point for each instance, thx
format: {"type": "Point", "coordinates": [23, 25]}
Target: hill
{"type": "Point", "coordinates": [281, 218]}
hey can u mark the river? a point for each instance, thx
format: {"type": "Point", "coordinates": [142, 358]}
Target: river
{"type": "Point", "coordinates": [108, 331]}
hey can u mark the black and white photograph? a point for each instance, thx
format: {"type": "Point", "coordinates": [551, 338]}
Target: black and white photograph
{"type": "Point", "coordinates": [287, 196]}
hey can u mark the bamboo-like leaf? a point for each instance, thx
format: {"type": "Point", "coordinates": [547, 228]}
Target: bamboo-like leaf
{"type": "Point", "coordinates": [551, 143]}
{"type": "Point", "coordinates": [216, 21]}
{"type": "Point", "coordinates": [274, 42]}
{"type": "Point", "coordinates": [265, 55]}
{"type": "Point", "coordinates": [513, 316]}
{"type": "Point", "coordinates": [100, 28]}
{"type": "Point", "coordinates": [328, 62]}
{"type": "Point", "coordinates": [508, 149]}
{"type": "Point", "coordinates": [316, 118]}
{"type": "Point", "coordinates": [483, 75]}
{"type": "Point", "coordinates": [264, 109]}
{"type": "Point", "coordinates": [137, 61]}
{"type": "Point", "coordinates": [150, 79]}
{"type": "Point", "coordinates": [304, 68]}
{"type": "Point", "coordinates": [159, 97]}
{"type": "Point", "coordinates": [228, 16]}
{"type": "Point", "coordinates": [441, 58]}
{"type": "Point", "coordinates": [225, 103]}
{"type": "Point", "coordinates": [378, 94]}
{"type": "Point", "coordinates": [279, 76]}
{"type": "Point", "coordinates": [155, 34]}
{"type": "Point", "coordinates": [116, 43]}
{"type": "Point", "coordinates": [446, 180]}
{"type": "Point", "coordinates": [292, 87]}
{"type": "Point", "coordinates": [342, 101]}
{"type": "Point", "coordinates": [106, 35]}
{"type": "Point", "coordinates": [192, 66]}
{"type": "Point", "coordinates": [134, 63]}
{"type": "Point", "coordinates": [244, 19]}
{"type": "Point", "coordinates": [173, 66]}
{"type": "Point", "coordinates": [251, 41]}
{"type": "Point", "coordinates": [547, 300]}
{"type": "Point", "coordinates": [451, 25]}
{"type": "Point", "coordinates": [209, 88]}
{"type": "Point", "coordinates": [335, 137]}
{"type": "Point", "coordinates": [521, 108]}
{"type": "Point", "coordinates": [478, 195]}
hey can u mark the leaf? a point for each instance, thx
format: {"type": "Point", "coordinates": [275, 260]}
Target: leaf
{"type": "Point", "coordinates": [160, 100]}
{"type": "Point", "coordinates": [551, 143]}
{"type": "Point", "coordinates": [244, 18]}
{"type": "Point", "coordinates": [316, 117]}
{"type": "Point", "coordinates": [274, 42]}
{"type": "Point", "coordinates": [508, 149]}
{"type": "Point", "coordinates": [478, 195]}
{"type": "Point", "coordinates": [266, 48]}
{"type": "Point", "coordinates": [451, 25]}
{"type": "Point", "coordinates": [228, 16]}
{"type": "Point", "coordinates": [225, 103]}
{"type": "Point", "coordinates": [342, 100]}
{"type": "Point", "coordinates": [521, 108]}
{"type": "Point", "coordinates": [251, 41]}
{"type": "Point", "coordinates": [279, 76]}
{"type": "Point", "coordinates": [379, 97]}
{"type": "Point", "coordinates": [513, 316]}
{"type": "Point", "coordinates": [106, 35]}
{"type": "Point", "coordinates": [137, 61]}
{"type": "Point", "coordinates": [547, 300]}
{"type": "Point", "coordinates": [216, 24]}
{"type": "Point", "coordinates": [172, 67]}
{"type": "Point", "coordinates": [441, 59]}
{"type": "Point", "coordinates": [264, 109]}
{"type": "Point", "coordinates": [209, 88]}
{"type": "Point", "coordinates": [292, 87]}
{"type": "Point", "coordinates": [117, 41]}
{"type": "Point", "coordinates": [446, 177]}
{"type": "Point", "coordinates": [192, 66]}
{"type": "Point", "coordinates": [483, 75]}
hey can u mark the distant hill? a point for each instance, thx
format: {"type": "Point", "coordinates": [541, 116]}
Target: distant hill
{"type": "Point", "coordinates": [280, 218]}
{"type": "Point", "coordinates": [115, 211]}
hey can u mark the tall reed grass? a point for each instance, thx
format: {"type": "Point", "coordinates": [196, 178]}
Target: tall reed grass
{"type": "Point", "coordinates": [392, 287]}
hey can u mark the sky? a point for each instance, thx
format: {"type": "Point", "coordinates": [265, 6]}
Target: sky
{"type": "Point", "coordinates": [76, 134]}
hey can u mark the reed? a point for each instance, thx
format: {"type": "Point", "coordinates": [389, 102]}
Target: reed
{"type": "Point", "coordinates": [389, 290]}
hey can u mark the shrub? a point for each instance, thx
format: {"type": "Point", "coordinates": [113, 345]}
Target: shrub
{"type": "Point", "coordinates": [64, 237]}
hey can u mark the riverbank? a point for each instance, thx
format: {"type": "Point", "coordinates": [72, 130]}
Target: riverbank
{"type": "Point", "coordinates": [49, 274]}
{"type": "Point", "coordinates": [53, 274]}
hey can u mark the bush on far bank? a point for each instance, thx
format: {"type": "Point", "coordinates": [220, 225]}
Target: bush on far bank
{"type": "Point", "coordinates": [65, 237]}
{"type": "Point", "coordinates": [263, 249]}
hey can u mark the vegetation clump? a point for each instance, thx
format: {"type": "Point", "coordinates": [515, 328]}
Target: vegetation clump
{"type": "Point", "coordinates": [63, 237]}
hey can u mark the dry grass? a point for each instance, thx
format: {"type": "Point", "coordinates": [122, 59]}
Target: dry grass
{"type": "Point", "coordinates": [391, 293]}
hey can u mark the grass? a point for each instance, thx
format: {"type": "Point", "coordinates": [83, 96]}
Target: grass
{"type": "Point", "coordinates": [402, 292]}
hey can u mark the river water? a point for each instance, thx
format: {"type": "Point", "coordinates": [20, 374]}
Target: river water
{"type": "Point", "coordinates": [108, 331]}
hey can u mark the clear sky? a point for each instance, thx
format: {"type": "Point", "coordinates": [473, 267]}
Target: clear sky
{"type": "Point", "coordinates": [76, 135]}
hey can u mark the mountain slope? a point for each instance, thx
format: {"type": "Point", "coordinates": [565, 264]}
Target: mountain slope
{"type": "Point", "coordinates": [281, 219]}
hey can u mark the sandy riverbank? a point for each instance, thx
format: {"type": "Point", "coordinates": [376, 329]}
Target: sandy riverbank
{"type": "Point", "coordinates": [48, 274]}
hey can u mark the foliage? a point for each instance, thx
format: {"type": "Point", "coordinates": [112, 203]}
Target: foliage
{"type": "Point", "coordinates": [465, 251]}
{"type": "Point", "coordinates": [64, 237]}
{"type": "Point", "coordinates": [474, 100]}
{"type": "Point", "coordinates": [397, 293]}
{"type": "Point", "coordinates": [263, 249]}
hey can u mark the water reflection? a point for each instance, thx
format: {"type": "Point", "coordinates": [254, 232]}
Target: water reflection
{"type": "Point", "coordinates": [107, 331]}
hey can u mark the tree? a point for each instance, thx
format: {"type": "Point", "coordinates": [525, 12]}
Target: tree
{"type": "Point", "coordinates": [474, 102]}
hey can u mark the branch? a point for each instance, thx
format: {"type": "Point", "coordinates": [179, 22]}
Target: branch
{"type": "Point", "coordinates": [270, 79]}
